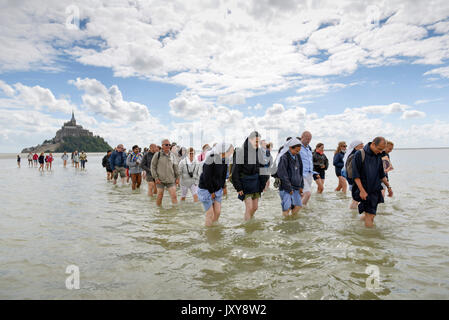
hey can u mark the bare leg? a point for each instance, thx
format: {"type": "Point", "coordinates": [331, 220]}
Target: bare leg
{"type": "Point", "coordinates": [210, 216]}
{"type": "Point", "coordinates": [217, 210]}
{"type": "Point", "coordinates": [296, 210]}
{"type": "Point", "coordinates": [195, 198]}
{"type": "Point", "coordinates": [354, 205]}
{"type": "Point", "coordinates": [305, 198]}
{"type": "Point", "coordinates": [344, 185]}
{"type": "Point", "coordinates": [150, 188]}
{"type": "Point", "coordinates": [172, 192]}
{"type": "Point", "coordinates": [285, 213]}
{"type": "Point", "coordinates": [134, 181]}
{"type": "Point", "coordinates": [248, 209]}
{"type": "Point", "coordinates": [319, 183]}
{"type": "Point", "coordinates": [160, 195]}
{"type": "Point", "coordinates": [255, 206]}
{"type": "Point", "coordinates": [139, 180]}
{"type": "Point", "coordinates": [369, 220]}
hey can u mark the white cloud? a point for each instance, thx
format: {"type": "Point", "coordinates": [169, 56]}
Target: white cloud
{"type": "Point", "coordinates": [413, 114]}
{"type": "Point", "coordinates": [381, 109]}
{"type": "Point", "coordinates": [230, 50]}
{"type": "Point", "coordinates": [8, 90]}
{"type": "Point", "coordinates": [189, 106]}
{"type": "Point", "coordinates": [231, 100]}
{"type": "Point", "coordinates": [426, 101]}
{"type": "Point", "coordinates": [109, 102]}
{"type": "Point", "coordinates": [442, 72]}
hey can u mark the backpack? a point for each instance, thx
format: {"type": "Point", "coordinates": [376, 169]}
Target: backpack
{"type": "Point", "coordinates": [348, 166]}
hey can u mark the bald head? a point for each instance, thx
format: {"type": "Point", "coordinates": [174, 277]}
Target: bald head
{"type": "Point", "coordinates": [306, 137]}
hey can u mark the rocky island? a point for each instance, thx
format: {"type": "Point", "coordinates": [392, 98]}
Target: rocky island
{"type": "Point", "coordinates": [71, 137]}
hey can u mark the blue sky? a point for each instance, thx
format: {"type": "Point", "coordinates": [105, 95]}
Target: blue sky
{"type": "Point", "coordinates": [225, 69]}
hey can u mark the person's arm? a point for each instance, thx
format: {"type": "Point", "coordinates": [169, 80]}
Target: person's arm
{"type": "Point", "coordinates": [208, 176]}
{"type": "Point", "coordinates": [144, 163]}
{"type": "Point", "coordinates": [356, 174]}
{"type": "Point", "coordinates": [326, 163]}
{"type": "Point", "coordinates": [387, 183]}
{"type": "Point", "coordinates": [301, 170]}
{"type": "Point", "coordinates": [154, 166]}
{"type": "Point", "coordinates": [111, 161]}
{"type": "Point", "coordinates": [130, 163]}
{"type": "Point", "coordinates": [236, 178]}
{"type": "Point", "coordinates": [315, 160]}
{"type": "Point", "coordinates": [176, 171]}
{"type": "Point", "coordinates": [282, 173]}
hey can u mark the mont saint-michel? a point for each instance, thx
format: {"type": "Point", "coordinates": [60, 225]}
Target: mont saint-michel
{"type": "Point", "coordinates": [70, 137]}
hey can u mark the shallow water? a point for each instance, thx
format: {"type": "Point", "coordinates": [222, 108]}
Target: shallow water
{"type": "Point", "coordinates": [125, 247]}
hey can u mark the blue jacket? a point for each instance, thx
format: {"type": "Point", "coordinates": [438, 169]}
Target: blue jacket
{"type": "Point", "coordinates": [290, 172]}
{"type": "Point", "coordinates": [371, 172]}
{"type": "Point", "coordinates": [338, 160]}
{"type": "Point", "coordinates": [117, 159]}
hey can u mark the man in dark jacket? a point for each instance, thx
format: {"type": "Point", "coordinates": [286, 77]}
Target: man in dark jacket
{"type": "Point", "coordinates": [117, 160]}
{"type": "Point", "coordinates": [368, 173]}
{"type": "Point", "coordinates": [248, 177]}
{"type": "Point", "coordinates": [290, 174]}
{"type": "Point", "coordinates": [146, 165]}
{"type": "Point", "coordinates": [107, 165]}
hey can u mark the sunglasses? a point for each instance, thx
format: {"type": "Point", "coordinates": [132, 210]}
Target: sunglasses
{"type": "Point", "coordinates": [166, 145]}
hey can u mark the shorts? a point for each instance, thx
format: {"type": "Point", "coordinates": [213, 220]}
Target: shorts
{"type": "Point", "coordinates": [193, 189]}
{"type": "Point", "coordinates": [163, 185]}
{"type": "Point", "coordinates": [289, 201]}
{"type": "Point", "coordinates": [370, 204]}
{"type": "Point", "coordinates": [120, 170]}
{"type": "Point", "coordinates": [206, 198]}
{"type": "Point", "coordinates": [149, 178]}
{"type": "Point", "coordinates": [321, 174]}
{"type": "Point", "coordinates": [253, 196]}
{"type": "Point", "coordinates": [338, 172]}
{"type": "Point", "coordinates": [109, 170]}
{"type": "Point", "coordinates": [308, 179]}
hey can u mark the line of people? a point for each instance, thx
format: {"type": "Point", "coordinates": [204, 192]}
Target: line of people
{"type": "Point", "coordinates": [38, 161]}
{"type": "Point", "coordinates": [249, 167]}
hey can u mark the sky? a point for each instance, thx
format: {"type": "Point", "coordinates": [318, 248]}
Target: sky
{"type": "Point", "coordinates": [195, 72]}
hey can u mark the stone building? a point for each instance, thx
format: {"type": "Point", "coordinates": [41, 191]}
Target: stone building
{"type": "Point", "coordinates": [70, 129]}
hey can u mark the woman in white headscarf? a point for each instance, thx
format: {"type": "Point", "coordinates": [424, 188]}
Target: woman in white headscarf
{"type": "Point", "coordinates": [290, 173]}
{"type": "Point", "coordinates": [212, 180]}
{"type": "Point", "coordinates": [353, 148]}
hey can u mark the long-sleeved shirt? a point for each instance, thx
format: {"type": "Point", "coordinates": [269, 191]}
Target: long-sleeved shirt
{"type": "Point", "coordinates": [290, 172]}
{"type": "Point", "coordinates": [164, 167]}
{"type": "Point", "coordinates": [117, 159]}
{"type": "Point", "coordinates": [146, 162]}
{"type": "Point", "coordinates": [186, 166]}
{"type": "Point", "coordinates": [338, 160]}
{"type": "Point", "coordinates": [307, 159]}
{"type": "Point", "coordinates": [214, 174]}
{"type": "Point", "coordinates": [371, 171]}
{"type": "Point", "coordinates": [319, 160]}
{"type": "Point", "coordinates": [134, 164]}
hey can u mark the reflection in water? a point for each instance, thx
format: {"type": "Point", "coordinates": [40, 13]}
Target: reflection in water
{"type": "Point", "coordinates": [126, 247]}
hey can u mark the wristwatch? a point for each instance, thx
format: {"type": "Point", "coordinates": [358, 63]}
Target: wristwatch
{"type": "Point", "coordinates": [389, 187]}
